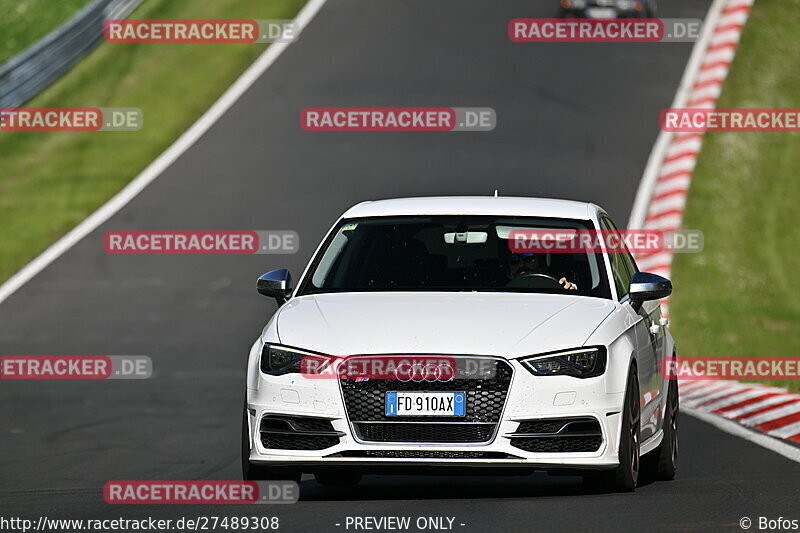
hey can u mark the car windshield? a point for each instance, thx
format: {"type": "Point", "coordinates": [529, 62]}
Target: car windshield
{"type": "Point", "coordinates": [450, 253]}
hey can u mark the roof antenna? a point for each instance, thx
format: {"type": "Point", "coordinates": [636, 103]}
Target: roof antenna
{"type": "Point", "coordinates": [495, 193]}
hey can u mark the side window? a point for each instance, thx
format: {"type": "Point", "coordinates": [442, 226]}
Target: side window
{"type": "Point", "coordinates": [627, 258]}
{"type": "Point", "coordinates": [621, 273]}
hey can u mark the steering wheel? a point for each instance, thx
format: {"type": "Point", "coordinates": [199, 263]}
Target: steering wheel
{"type": "Point", "coordinates": [526, 279]}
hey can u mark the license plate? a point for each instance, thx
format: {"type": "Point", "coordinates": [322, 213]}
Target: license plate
{"type": "Point", "coordinates": [426, 403]}
{"type": "Point", "coordinates": [601, 13]}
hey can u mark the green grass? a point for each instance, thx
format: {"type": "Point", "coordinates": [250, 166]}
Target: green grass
{"type": "Point", "coordinates": [26, 21]}
{"type": "Point", "coordinates": [50, 181]}
{"type": "Point", "coordinates": [740, 296]}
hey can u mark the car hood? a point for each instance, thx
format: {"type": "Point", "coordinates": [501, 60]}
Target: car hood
{"type": "Point", "coordinates": [506, 324]}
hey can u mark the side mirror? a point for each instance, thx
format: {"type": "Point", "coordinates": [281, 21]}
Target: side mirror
{"type": "Point", "coordinates": [646, 286]}
{"type": "Point", "coordinates": [276, 284]}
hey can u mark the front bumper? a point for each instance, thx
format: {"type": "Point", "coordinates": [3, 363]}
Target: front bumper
{"type": "Point", "coordinates": [528, 398]}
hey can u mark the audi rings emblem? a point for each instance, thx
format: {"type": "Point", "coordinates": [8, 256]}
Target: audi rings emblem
{"type": "Point", "coordinates": [430, 373]}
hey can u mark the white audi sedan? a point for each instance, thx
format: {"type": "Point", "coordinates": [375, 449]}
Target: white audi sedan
{"type": "Point", "coordinates": [420, 339]}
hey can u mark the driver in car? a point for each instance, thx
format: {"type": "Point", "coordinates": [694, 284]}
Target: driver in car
{"type": "Point", "coordinates": [525, 263]}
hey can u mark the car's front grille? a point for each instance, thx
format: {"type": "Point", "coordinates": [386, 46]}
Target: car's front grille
{"type": "Point", "coordinates": [422, 454]}
{"type": "Point", "coordinates": [558, 435]}
{"type": "Point", "coordinates": [364, 401]}
{"type": "Point", "coordinates": [297, 433]}
{"type": "Point", "coordinates": [424, 432]}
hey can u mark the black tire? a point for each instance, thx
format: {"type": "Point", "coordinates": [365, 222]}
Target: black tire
{"type": "Point", "coordinates": [337, 478]}
{"type": "Point", "coordinates": [254, 472]}
{"type": "Point", "coordinates": [625, 477]}
{"type": "Point", "coordinates": [667, 455]}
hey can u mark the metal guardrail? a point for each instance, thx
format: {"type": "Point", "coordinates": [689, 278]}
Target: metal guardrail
{"type": "Point", "coordinates": [23, 76]}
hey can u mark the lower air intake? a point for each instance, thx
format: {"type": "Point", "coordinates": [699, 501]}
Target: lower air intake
{"type": "Point", "coordinates": [297, 433]}
{"type": "Point", "coordinates": [558, 435]}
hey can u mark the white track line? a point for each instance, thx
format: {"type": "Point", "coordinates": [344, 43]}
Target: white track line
{"type": "Point", "coordinates": [765, 441]}
{"type": "Point", "coordinates": [160, 164]}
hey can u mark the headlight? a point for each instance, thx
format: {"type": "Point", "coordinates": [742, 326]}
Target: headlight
{"type": "Point", "coordinates": [579, 363]}
{"type": "Point", "coordinates": [277, 360]}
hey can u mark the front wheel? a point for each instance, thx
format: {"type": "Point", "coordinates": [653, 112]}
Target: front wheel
{"type": "Point", "coordinates": [625, 477]}
{"type": "Point", "coordinates": [665, 458]}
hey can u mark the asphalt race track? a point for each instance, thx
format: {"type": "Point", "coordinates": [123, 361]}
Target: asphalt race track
{"type": "Point", "coordinates": [574, 120]}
